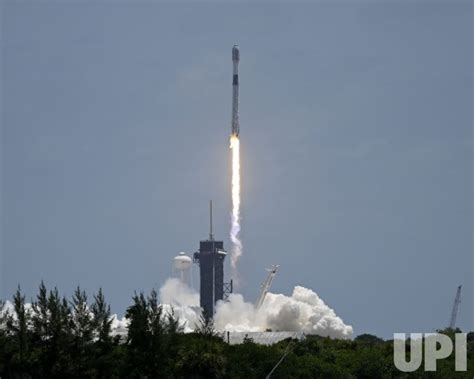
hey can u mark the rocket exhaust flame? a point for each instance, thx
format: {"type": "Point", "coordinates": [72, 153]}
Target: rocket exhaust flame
{"type": "Point", "coordinates": [235, 222]}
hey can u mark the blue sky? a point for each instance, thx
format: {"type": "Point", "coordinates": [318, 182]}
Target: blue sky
{"type": "Point", "coordinates": [356, 137]}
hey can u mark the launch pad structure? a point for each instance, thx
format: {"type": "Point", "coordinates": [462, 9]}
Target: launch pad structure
{"type": "Point", "coordinates": [210, 258]}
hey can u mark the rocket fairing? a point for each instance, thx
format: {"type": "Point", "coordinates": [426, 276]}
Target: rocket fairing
{"type": "Point", "coordinates": [235, 91]}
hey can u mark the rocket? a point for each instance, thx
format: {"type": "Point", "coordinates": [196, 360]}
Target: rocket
{"type": "Point", "coordinates": [235, 90]}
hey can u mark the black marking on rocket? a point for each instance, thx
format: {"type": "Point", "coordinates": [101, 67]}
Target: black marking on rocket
{"type": "Point", "coordinates": [235, 80]}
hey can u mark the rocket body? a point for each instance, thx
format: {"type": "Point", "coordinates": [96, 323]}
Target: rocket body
{"type": "Point", "coordinates": [235, 90]}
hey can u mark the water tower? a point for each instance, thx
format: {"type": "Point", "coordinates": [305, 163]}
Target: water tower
{"type": "Point", "coordinates": [182, 267]}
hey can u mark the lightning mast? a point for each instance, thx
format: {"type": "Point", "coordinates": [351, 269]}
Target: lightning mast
{"type": "Point", "coordinates": [266, 285]}
{"type": "Point", "coordinates": [454, 313]}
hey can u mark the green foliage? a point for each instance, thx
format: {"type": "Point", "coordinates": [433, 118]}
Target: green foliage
{"type": "Point", "coordinates": [206, 327]}
{"type": "Point", "coordinates": [18, 353]}
{"type": "Point", "coordinates": [200, 356]}
{"type": "Point", "coordinates": [60, 338]}
{"type": "Point", "coordinates": [368, 340]}
{"type": "Point", "coordinates": [101, 319]}
{"type": "Point", "coordinates": [470, 343]}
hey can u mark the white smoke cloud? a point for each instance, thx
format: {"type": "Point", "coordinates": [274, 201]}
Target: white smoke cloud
{"type": "Point", "coordinates": [119, 326]}
{"type": "Point", "coordinates": [177, 293]}
{"type": "Point", "coordinates": [176, 297]}
{"type": "Point", "coordinates": [303, 311]}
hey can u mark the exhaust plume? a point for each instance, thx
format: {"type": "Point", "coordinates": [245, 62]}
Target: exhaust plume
{"type": "Point", "coordinates": [236, 251]}
{"type": "Point", "coordinates": [303, 311]}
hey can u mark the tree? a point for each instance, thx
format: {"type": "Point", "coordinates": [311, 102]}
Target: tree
{"type": "Point", "coordinates": [17, 326]}
{"type": "Point", "coordinates": [152, 340]}
{"type": "Point", "coordinates": [206, 326]}
{"type": "Point", "coordinates": [159, 349]}
{"type": "Point", "coordinates": [40, 314]}
{"type": "Point", "coordinates": [470, 342]}
{"type": "Point", "coordinates": [82, 318]}
{"type": "Point", "coordinates": [173, 325]}
{"type": "Point", "coordinates": [82, 329]}
{"type": "Point", "coordinates": [106, 357]}
{"type": "Point", "coordinates": [3, 336]}
{"type": "Point", "coordinates": [60, 338]}
{"type": "Point", "coordinates": [102, 320]}
{"type": "Point", "coordinates": [52, 333]}
{"type": "Point", "coordinates": [138, 337]}
{"type": "Point", "coordinates": [201, 357]}
{"type": "Point", "coordinates": [368, 340]}
{"type": "Point", "coordinates": [2, 313]}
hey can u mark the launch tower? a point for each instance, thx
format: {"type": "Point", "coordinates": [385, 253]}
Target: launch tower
{"type": "Point", "coordinates": [210, 258]}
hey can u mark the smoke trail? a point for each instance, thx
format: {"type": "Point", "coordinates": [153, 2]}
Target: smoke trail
{"type": "Point", "coordinates": [235, 221]}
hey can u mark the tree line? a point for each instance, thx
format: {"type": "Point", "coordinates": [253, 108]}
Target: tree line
{"type": "Point", "coordinates": [56, 337]}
